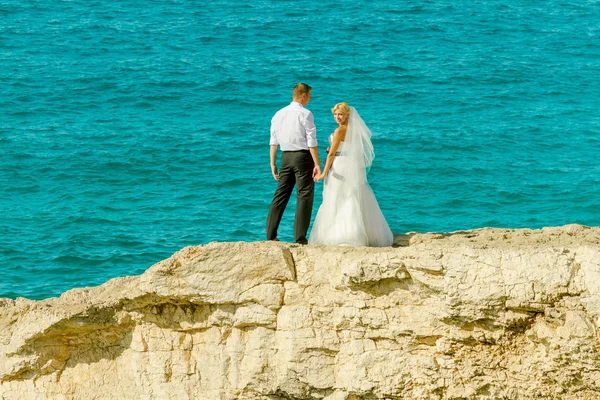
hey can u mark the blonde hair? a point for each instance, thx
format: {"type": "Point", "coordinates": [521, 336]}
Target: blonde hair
{"type": "Point", "coordinates": [300, 89]}
{"type": "Point", "coordinates": [343, 107]}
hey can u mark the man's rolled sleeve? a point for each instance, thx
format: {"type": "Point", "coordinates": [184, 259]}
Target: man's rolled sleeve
{"type": "Point", "coordinates": [273, 141]}
{"type": "Point", "coordinates": [311, 131]}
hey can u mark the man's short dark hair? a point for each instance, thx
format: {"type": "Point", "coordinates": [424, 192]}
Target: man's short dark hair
{"type": "Point", "coordinates": [300, 89]}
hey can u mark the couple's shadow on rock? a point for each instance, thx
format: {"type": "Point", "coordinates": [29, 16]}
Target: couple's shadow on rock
{"type": "Point", "coordinates": [402, 240]}
{"type": "Point", "coordinates": [412, 238]}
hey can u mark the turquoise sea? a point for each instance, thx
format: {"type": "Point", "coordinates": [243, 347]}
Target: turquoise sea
{"type": "Point", "coordinates": [130, 129]}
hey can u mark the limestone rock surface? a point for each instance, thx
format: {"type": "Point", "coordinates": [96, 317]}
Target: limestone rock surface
{"type": "Point", "coordinates": [482, 314]}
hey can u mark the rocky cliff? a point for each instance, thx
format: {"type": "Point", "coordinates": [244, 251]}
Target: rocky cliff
{"type": "Point", "coordinates": [484, 314]}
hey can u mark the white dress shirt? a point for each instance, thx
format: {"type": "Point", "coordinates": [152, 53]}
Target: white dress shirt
{"type": "Point", "coordinates": [293, 128]}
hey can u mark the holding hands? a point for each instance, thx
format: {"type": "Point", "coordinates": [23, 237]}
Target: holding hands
{"type": "Point", "coordinates": [317, 174]}
{"type": "Point", "coordinates": [319, 177]}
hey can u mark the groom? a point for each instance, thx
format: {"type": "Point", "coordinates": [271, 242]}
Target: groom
{"type": "Point", "coordinates": [293, 129]}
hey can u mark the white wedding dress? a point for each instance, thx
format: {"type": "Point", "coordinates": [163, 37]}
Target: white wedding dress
{"type": "Point", "coordinates": [350, 214]}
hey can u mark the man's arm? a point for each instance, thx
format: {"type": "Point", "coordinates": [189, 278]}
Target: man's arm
{"type": "Point", "coordinates": [314, 152]}
{"type": "Point", "coordinates": [311, 139]}
{"type": "Point", "coordinates": [273, 154]}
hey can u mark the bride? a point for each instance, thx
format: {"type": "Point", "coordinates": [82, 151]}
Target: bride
{"type": "Point", "coordinates": [349, 214]}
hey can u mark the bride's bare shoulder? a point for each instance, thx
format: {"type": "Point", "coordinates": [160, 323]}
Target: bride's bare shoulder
{"type": "Point", "coordinates": [340, 132]}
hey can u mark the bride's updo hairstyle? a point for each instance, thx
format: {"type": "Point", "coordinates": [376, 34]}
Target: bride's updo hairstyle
{"type": "Point", "coordinates": [343, 107]}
